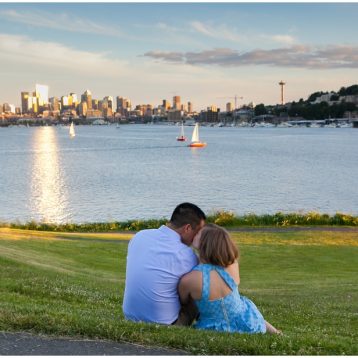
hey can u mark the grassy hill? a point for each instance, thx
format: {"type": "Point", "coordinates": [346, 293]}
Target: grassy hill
{"type": "Point", "coordinates": [304, 282]}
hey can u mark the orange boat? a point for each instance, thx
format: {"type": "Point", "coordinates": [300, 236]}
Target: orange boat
{"type": "Point", "coordinates": [195, 141]}
{"type": "Point", "coordinates": [197, 145]}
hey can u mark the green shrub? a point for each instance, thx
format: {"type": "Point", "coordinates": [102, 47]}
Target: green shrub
{"type": "Point", "coordinates": [221, 217]}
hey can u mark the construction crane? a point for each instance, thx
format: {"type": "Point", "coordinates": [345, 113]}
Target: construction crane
{"type": "Point", "coordinates": [236, 97]}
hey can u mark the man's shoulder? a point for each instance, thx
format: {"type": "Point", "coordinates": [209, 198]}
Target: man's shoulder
{"type": "Point", "coordinates": [186, 257]}
{"type": "Point", "coordinates": [146, 233]}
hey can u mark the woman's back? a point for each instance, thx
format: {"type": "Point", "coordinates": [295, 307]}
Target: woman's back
{"type": "Point", "coordinates": [220, 305]}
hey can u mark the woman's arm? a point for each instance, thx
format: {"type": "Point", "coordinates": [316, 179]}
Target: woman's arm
{"type": "Point", "coordinates": [184, 289]}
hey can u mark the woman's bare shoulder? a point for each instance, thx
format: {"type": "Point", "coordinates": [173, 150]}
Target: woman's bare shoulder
{"type": "Point", "coordinates": [233, 270]}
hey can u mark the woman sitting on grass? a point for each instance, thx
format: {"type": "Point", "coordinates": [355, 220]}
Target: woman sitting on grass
{"type": "Point", "coordinates": [213, 285]}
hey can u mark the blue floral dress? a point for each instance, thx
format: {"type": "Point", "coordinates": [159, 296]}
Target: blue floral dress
{"type": "Point", "coordinates": [232, 313]}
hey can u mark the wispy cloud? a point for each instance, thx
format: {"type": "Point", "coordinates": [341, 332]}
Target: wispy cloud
{"type": "Point", "coordinates": [25, 51]}
{"type": "Point", "coordinates": [229, 33]}
{"type": "Point", "coordinates": [63, 22]}
{"type": "Point", "coordinates": [299, 56]}
{"type": "Point", "coordinates": [218, 32]}
{"type": "Point", "coordinates": [282, 39]}
{"type": "Point", "coordinates": [165, 27]}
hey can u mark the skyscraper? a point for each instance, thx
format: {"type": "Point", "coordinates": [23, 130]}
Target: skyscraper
{"type": "Point", "coordinates": [87, 97]}
{"type": "Point", "coordinates": [109, 100]}
{"type": "Point", "coordinates": [123, 105]}
{"type": "Point", "coordinates": [229, 107]}
{"type": "Point", "coordinates": [41, 93]}
{"type": "Point", "coordinates": [26, 102]}
{"type": "Point", "coordinates": [190, 107]}
{"type": "Point", "coordinates": [73, 100]}
{"type": "Point", "coordinates": [166, 104]}
{"type": "Point", "coordinates": [176, 102]}
{"type": "Point", "coordinates": [54, 104]}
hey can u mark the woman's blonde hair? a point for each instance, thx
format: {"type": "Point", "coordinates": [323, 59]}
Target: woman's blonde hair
{"type": "Point", "coordinates": [216, 246]}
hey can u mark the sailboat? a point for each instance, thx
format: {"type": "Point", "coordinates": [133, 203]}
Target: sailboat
{"type": "Point", "coordinates": [72, 130]}
{"type": "Point", "coordinates": [181, 137]}
{"type": "Point", "coordinates": [195, 141]}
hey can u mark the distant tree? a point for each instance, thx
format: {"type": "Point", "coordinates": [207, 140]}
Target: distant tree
{"type": "Point", "coordinates": [348, 91]}
{"type": "Point", "coordinates": [313, 96]}
{"type": "Point", "coordinates": [260, 109]}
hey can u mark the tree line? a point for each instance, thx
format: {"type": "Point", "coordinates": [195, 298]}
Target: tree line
{"type": "Point", "coordinates": [314, 111]}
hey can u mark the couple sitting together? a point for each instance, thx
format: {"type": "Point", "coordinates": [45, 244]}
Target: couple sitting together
{"type": "Point", "coordinates": [166, 283]}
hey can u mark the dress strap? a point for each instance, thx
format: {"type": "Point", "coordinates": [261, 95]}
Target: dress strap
{"type": "Point", "coordinates": [206, 283]}
{"type": "Point", "coordinates": [226, 277]}
{"type": "Point", "coordinates": [205, 270]}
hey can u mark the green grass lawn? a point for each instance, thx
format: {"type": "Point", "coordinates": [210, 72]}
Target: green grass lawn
{"type": "Point", "coordinates": [71, 284]}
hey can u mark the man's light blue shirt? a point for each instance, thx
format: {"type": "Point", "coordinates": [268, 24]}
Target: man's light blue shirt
{"type": "Point", "coordinates": [156, 261]}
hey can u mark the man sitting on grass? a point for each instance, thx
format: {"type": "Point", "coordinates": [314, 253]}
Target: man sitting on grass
{"type": "Point", "coordinates": [156, 260]}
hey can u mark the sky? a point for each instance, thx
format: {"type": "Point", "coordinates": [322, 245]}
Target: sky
{"type": "Point", "coordinates": [207, 53]}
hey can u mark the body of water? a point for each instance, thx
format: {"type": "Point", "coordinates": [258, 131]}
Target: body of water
{"type": "Point", "coordinates": [141, 171]}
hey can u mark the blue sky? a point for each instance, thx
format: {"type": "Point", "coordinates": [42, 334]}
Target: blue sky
{"type": "Point", "coordinates": [204, 52]}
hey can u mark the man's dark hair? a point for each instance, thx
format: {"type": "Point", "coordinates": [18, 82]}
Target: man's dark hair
{"type": "Point", "coordinates": [187, 213]}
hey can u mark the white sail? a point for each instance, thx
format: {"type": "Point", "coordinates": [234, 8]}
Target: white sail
{"type": "Point", "coordinates": [182, 130]}
{"type": "Point", "coordinates": [72, 130]}
{"type": "Point", "coordinates": [195, 136]}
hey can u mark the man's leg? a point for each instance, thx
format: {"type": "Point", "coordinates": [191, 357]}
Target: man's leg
{"type": "Point", "coordinates": [187, 314]}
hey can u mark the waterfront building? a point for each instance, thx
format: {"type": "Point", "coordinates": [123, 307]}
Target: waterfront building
{"type": "Point", "coordinates": [25, 102]}
{"type": "Point", "coordinates": [28, 103]}
{"type": "Point", "coordinates": [8, 108]}
{"type": "Point", "coordinates": [190, 107]}
{"type": "Point", "coordinates": [65, 103]}
{"type": "Point", "coordinates": [54, 104]}
{"type": "Point", "coordinates": [95, 104]}
{"type": "Point", "coordinates": [101, 105]}
{"type": "Point", "coordinates": [211, 115]}
{"type": "Point", "coordinates": [148, 110]}
{"type": "Point", "coordinates": [229, 107]}
{"type": "Point", "coordinates": [107, 112]}
{"type": "Point", "coordinates": [41, 93]}
{"type": "Point", "coordinates": [176, 102]}
{"type": "Point", "coordinates": [212, 108]}
{"type": "Point", "coordinates": [82, 109]}
{"type": "Point", "coordinates": [166, 105]}
{"type": "Point", "coordinates": [124, 106]}
{"type": "Point", "coordinates": [94, 113]}
{"type": "Point", "coordinates": [87, 97]}
{"type": "Point", "coordinates": [109, 100]}
{"type": "Point", "coordinates": [175, 115]}
{"type": "Point", "coordinates": [73, 100]}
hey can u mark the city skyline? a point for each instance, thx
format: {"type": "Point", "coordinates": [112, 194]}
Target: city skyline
{"type": "Point", "coordinates": [207, 53]}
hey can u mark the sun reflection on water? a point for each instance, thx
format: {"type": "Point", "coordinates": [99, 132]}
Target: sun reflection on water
{"type": "Point", "coordinates": [48, 190]}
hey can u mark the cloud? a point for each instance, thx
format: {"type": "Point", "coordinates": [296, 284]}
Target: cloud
{"type": "Point", "coordinates": [223, 32]}
{"type": "Point", "coordinates": [22, 50]}
{"type": "Point", "coordinates": [283, 39]}
{"type": "Point", "coordinates": [218, 32]}
{"type": "Point", "coordinates": [298, 56]}
{"type": "Point", "coordinates": [176, 57]}
{"type": "Point", "coordinates": [63, 21]}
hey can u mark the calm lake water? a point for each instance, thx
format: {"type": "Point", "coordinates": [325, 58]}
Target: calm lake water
{"type": "Point", "coordinates": [141, 171]}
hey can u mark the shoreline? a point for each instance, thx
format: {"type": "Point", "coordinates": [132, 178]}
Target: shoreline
{"type": "Point", "coordinates": [227, 219]}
